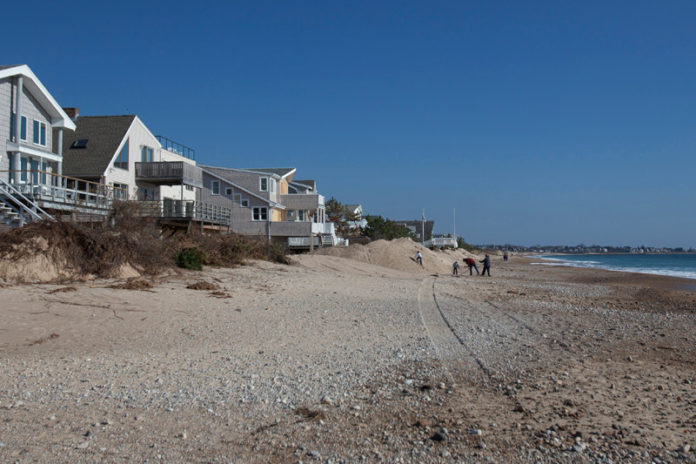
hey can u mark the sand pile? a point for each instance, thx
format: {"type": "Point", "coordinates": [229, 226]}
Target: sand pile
{"type": "Point", "coordinates": [400, 254]}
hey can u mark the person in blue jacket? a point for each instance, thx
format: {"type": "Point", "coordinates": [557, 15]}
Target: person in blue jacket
{"type": "Point", "coordinates": [486, 266]}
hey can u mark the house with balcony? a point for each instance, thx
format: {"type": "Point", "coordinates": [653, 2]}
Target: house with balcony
{"type": "Point", "coordinates": [123, 154]}
{"type": "Point", "coordinates": [30, 165]}
{"type": "Point", "coordinates": [270, 203]}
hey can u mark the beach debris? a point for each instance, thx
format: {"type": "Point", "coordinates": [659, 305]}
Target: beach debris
{"type": "Point", "coordinates": [41, 340]}
{"type": "Point", "coordinates": [133, 284]}
{"type": "Point", "coordinates": [62, 290]}
{"type": "Point", "coordinates": [203, 285]}
{"type": "Point", "coordinates": [310, 413]}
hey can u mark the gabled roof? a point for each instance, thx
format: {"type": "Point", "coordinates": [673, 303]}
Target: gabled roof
{"type": "Point", "coordinates": [104, 135]}
{"type": "Point", "coordinates": [219, 173]}
{"type": "Point", "coordinates": [280, 172]}
{"type": "Point", "coordinates": [353, 207]}
{"type": "Point", "coordinates": [36, 88]}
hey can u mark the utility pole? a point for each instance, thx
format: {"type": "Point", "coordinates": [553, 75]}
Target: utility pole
{"type": "Point", "coordinates": [454, 223]}
{"type": "Point", "coordinates": [423, 227]}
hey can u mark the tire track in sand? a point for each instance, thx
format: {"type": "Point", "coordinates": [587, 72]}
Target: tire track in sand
{"type": "Point", "coordinates": [449, 346]}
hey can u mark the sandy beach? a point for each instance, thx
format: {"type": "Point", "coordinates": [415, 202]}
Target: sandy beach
{"type": "Point", "coordinates": [351, 356]}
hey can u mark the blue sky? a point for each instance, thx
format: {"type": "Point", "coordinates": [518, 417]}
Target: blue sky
{"type": "Point", "coordinates": [540, 122]}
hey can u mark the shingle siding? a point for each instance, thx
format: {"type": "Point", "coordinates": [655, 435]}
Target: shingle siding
{"type": "Point", "coordinates": [34, 112]}
{"type": "Point", "coordinates": [241, 216]}
{"type": "Point", "coordinates": [5, 112]}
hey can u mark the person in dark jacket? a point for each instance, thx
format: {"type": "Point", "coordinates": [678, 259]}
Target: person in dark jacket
{"type": "Point", "coordinates": [472, 265]}
{"type": "Point", "coordinates": [486, 266]}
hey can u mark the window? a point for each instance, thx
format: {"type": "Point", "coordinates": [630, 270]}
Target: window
{"type": "Point", "coordinates": [263, 184]}
{"type": "Point", "coordinates": [122, 158]}
{"type": "Point", "coordinates": [272, 185]}
{"type": "Point", "coordinates": [300, 215]}
{"type": "Point", "coordinates": [22, 127]}
{"type": "Point", "coordinates": [120, 191]}
{"type": "Point", "coordinates": [23, 162]}
{"type": "Point", "coordinates": [189, 188]}
{"type": "Point", "coordinates": [34, 172]}
{"type": "Point", "coordinates": [245, 203]}
{"type": "Point", "coordinates": [238, 197]}
{"type": "Point", "coordinates": [146, 194]}
{"type": "Point", "coordinates": [81, 143]}
{"type": "Point", "coordinates": [259, 214]}
{"type": "Point", "coordinates": [215, 187]}
{"type": "Point", "coordinates": [39, 137]}
{"type": "Point", "coordinates": [44, 168]}
{"type": "Point", "coordinates": [291, 214]}
{"type": "Point", "coordinates": [229, 191]}
{"type": "Point", "coordinates": [146, 154]}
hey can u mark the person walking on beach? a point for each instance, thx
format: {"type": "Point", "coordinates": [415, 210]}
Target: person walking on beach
{"type": "Point", "coordinates": [419, 258]}
{"type": "Point", "coordinates": [455, 268]}
{"type": "Point", "coordinates": [486, 266]}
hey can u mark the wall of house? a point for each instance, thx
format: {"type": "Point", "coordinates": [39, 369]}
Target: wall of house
{"type": "Point", "coordinates": [137, 136]}
{"type": "Point", "coordinates": [5, 112]}
{"type": "Point", "coordinates": [242, 222]}
{"type": "Point", "coordinates": [33, 111]}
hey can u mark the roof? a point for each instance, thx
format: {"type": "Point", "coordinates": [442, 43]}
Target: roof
{"type": "Point", "coordinates": [308, 183]}
{"type": "Point", "coordinates": [39, 92]}
{"type": "Point", "coordinates": [104, 135]}
{"type": "Point", "coordinates": [353, 207]}
{"type": "Point", "coordinates": [280, 172]}
{"type": "Point", "coordinates": [219, 172]}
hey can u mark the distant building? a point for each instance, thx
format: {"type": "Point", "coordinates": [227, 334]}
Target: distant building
{"type": "Point", "coordinates": [357, 212]}
{"type": "Point", "coordinates": [416, 228]}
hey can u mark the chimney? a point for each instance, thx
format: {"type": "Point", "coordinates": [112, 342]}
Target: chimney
{"type": "Point", "coordinates": [72, 113]}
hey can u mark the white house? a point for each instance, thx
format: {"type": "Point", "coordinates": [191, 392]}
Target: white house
{"type": "Point", "coordinates": [121, 152]}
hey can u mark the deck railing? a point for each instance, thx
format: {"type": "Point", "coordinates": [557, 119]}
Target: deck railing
{"type": "Point", "coordinates": [65, 190]}
{"type": "Point", "coordinates": [176, 148]}
{"type": "Point", "coordinates": [186, 209]}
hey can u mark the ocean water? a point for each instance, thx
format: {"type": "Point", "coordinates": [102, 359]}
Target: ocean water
{"type": "Point", "coordinates": [677, 265]}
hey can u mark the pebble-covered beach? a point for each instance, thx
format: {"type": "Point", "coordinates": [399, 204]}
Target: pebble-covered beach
{"type": "Point", "coordinates": [334, 360]}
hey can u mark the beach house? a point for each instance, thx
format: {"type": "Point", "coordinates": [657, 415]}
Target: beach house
{"type": "Point", "coordinates": [123, 154]}
{"type": "Point", "coordinates": [120, 151]}
{"type": "Point", "coordinates": [270, 203]}
{"type": "Point", "coordinates": [30, 163]}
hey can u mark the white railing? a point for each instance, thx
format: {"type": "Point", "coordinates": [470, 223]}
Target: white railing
{"type": "Point", "coordinates": [68, 191]}
{"type": "Point", "coordinates": [23, 205]}
{"type": "Point", "coordinates": [441, 242]}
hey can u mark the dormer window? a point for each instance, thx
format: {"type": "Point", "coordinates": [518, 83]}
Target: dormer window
{"type": "Point", "coordinates": [263, 184]}
{"type": "Point", "coordinates": [81, 143]}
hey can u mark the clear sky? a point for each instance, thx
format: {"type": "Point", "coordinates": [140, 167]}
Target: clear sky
{"type": "Point", "coordinates": [540, 122]}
